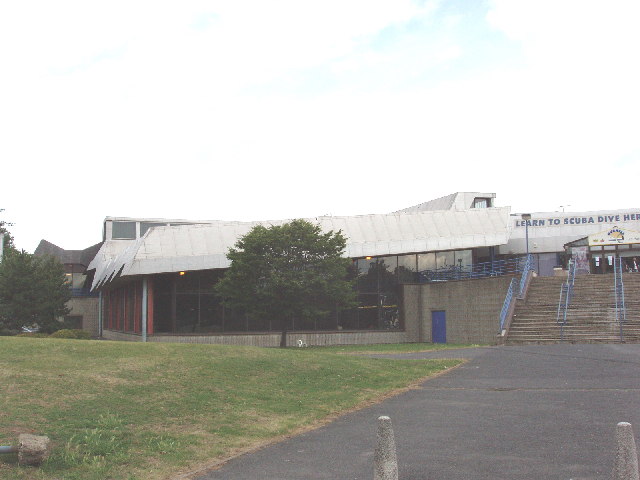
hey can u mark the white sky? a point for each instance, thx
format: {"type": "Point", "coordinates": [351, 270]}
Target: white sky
{"type": "Point", "coordinates": [254, 110]}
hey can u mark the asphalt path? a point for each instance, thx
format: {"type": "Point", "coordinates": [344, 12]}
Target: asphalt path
{"type": "Point", "coordinates": [510, 412]}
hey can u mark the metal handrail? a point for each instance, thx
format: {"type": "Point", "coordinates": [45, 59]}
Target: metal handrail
{"type": "Point", "coordinates": [506, 306]}
{"type": "Point", "coordinates": [528, 266]}
{"type": "Point", "coordinates": [621, 313]}
{"type": "Point", "coordinates": [566, 292]}
{"type": "Point", "coordinates": [477, 270]}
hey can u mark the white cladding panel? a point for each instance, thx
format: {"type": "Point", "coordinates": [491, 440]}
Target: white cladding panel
{"type": "Point", "coordinates": [204, 246]}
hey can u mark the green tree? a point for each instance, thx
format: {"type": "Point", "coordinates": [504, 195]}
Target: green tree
{"type": "Point", "coordinates": [289, 271]}
{"type": "Point", "coordinates": [4, 232]}
{"type": "Point", "coordinates": [33, 290]}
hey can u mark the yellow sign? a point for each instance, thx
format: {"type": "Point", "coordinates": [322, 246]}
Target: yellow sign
{"type": "Point", "coordinates": [614, 236]}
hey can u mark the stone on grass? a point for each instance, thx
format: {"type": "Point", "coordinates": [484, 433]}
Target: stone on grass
{"type": "Point", "coordinates": [32, 449]}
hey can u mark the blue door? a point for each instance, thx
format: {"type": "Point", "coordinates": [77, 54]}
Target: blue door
{"type": "Point", "coordinates": [438, 326]}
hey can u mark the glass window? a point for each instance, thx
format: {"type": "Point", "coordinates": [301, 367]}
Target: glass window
{"type": "Point", "coordinates": [464, 259]}
{"type": "Point", "coordinates": [364, 264]}
{"type": "Point", "coordinates": [406, 272]}
{"type": "Point", "coordinates": [479, 202]}
{"type": "Point", "coordinates": [426, 261]}
{"type": "Point", "coordinates": [78, 280]}
{"type": "Point", "coordinates": [144, 226]}
{"type": "Point", "coordinates": [445, 260]}
{"type": "Point", "coordinates": [123, 230]}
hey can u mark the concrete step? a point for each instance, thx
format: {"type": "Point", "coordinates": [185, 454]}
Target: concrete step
{"type": "Point", "coordinates": [591, 316]}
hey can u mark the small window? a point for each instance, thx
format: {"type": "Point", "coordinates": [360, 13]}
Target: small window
{"type": "Point", "coordinates": [124, 230]}
{"type": "Point", "coordinates": [481, 202]}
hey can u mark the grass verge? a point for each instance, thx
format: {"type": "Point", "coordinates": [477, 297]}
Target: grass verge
{"type": "Point", "coordinates": [129, 411]}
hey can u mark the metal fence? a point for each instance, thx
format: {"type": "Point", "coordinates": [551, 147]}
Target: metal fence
{"type": "Point", "coordinates": [496, 268]}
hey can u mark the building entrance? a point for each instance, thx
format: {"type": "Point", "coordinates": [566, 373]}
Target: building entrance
{"type": "Point", "coordinates": [602, 262]}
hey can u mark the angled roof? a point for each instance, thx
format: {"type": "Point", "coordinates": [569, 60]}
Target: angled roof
{"type": "Point", "coordinates": [203, 247]}
{"type": "Point", "coordinates": [81, 257]}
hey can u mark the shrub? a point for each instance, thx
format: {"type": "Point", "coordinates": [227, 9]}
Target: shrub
{"type": "Point", "coordinates": [71, 333]}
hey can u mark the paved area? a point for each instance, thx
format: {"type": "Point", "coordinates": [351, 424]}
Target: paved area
{"type": "Point", "coordinates": [511, 412]}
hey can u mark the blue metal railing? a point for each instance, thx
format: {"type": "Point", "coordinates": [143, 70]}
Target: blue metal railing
{"type": "Point", "coordinates": [621, 311]}
{"type": "Point", "coordinates": [83, 292]}
{"type": "Point", "coordinates": [477, 270]}
{"type": "Point", "coordinates": [528, 266]}
{"type": "Point", "coordinates": [506, 306]}
{"type": "Point", "coordinates": [516, 287]}
{"type": "Point", "coordinates": [566, 292]}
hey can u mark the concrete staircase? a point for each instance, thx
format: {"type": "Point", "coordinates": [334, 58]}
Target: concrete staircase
{"type": "Point", "coordinates": [591, 316]}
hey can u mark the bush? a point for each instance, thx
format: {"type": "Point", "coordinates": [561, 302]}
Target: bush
{"type": "Point", "coordinates": [32, 335]}
{"type": "Point", "coordinates": [71, 333]}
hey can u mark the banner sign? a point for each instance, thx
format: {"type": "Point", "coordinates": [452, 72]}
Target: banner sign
{"type": "Point", "coordinates": [614, 236]}
{"type": "Point", "coordinates": [592, 219]}
{"type": "Point", "coordinates": [580, 256]}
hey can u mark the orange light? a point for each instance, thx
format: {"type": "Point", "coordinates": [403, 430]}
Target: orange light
{"type": "Point", "coordinates": [367, 258]}
{"type": "Point", "coordinates": [181, 273]}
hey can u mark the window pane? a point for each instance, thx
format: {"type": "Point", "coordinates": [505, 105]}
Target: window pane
{"type": "Point", "coordinates": [464, 258]}
{"type": "Point", "coordinates": [444, 260]}
{"type": "Point", "coordinates": [406, 268]}
{"type": "Point", "coordinates": [123, 230]}
{"type": "Point", "coordinates": [481, 202]}
{"type": "Point", "coordinates": [426, 261]}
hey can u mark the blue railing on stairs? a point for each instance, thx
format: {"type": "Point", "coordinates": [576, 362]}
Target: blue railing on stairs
{"type": "Point", "coordinates": [621, 311]}
{"type": "Point", "coordinates": [528, 266]}
{"type": "Point", "coordinates": [506, 306]}
{"type": "Point", "coordinates": [516, 289]}
{"type": "Point", "coordinates": [566, 292]}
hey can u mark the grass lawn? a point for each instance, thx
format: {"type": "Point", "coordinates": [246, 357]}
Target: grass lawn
{"type": "Point", "coordinates": [118, 410]}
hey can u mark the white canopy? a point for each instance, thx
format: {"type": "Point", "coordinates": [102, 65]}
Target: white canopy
{"type": "Point", "coordinates": [203, 247]}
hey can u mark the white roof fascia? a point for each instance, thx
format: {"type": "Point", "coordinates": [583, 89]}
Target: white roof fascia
{"type": "Point", "coordinates": [204, 246]}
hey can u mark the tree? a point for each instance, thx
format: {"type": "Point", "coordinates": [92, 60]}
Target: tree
{"type": "Point", "coordinates": [33, 290]}
{"type": "Point", "coordinates": [6, 235]}
{"type": "Point", "coordinates": [289, 271]}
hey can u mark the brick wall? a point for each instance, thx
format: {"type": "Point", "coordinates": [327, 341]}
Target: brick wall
{"type": "Point", "coordinates": [88, 308]}
{"type": "Point", "coordinates": [271, 339]}
{"type": "Point", "coordinates": [472, 309]}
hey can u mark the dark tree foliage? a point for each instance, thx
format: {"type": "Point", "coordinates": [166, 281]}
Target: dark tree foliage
{"type": "Point", "coordinates": [8, 239]}
{"type": "Point", "coordinates": [288, 271]}
{"type": "Point", "coordinates": [33, 291]}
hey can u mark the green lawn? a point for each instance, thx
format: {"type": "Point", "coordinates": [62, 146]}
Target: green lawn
{"type": "Point", "coordinates": [122, 410]}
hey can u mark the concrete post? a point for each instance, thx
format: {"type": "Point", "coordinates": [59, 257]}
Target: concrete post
{"type": "Point", "coordinates": [385, 460]}
{"type": "Point", "coordinates": [626, 462]}
{"type": "Point", "coordinates": [33, 449]}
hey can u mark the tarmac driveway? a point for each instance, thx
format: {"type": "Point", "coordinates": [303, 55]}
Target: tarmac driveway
{"type": "Point", "coordinates": [516, 412]}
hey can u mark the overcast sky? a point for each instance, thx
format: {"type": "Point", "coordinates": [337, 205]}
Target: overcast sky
{"type": "Point", "coordinates": [256, 110]}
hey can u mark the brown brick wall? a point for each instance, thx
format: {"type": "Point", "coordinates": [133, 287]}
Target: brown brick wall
{"type": "Point", "coordinates": [472, 308]}
{"type": "Point", "coordinates": [88, 308]}
{"type": "Point", "coordinates": [271, 339]}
